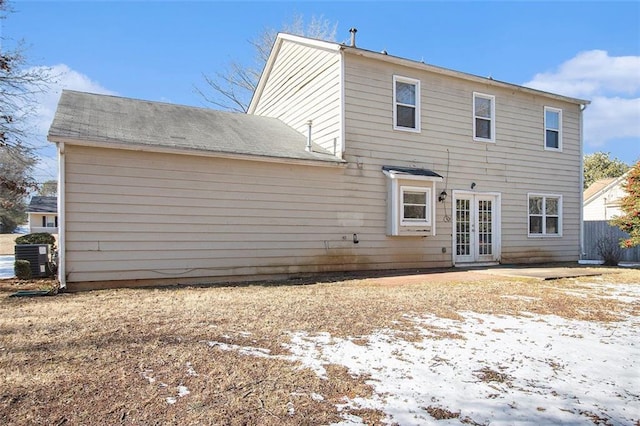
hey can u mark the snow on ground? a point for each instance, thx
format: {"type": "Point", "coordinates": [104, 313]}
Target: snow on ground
{"type": "Point", "coordinates": [496, 369]}
{"type": "Point", "coordinates": [6, 266]}
{"type": "Point", "coordinates": [504, 370]}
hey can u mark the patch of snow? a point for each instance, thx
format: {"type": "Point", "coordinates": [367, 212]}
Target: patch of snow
{"type": "Point", "coordinates": [7, 266]}
{"type": "Point", "coordinates": [183, 391]}
{"type": "Point", "coordinates": [349, 420]}
{"type": "Point", "coordinates": [316, 396]}
{"type": "Point", "coordinates": [190, 370]}
{"type": "Point", "coordinates": [538, 369]}
{"type": "Point", "coordinates": [22, 229]}
{"type": "Point", "coordinates": [147, 375]}
{"type": "Point", "coordinates": [520, 297]}
{"type": "Point", "coordinates": [549, 370]}
{"type": "Point", "coordinates": [590, 262]}
{"type": "Point", "coordinates": [171, 400]}
{"type": "Point", "coordinates": [244, 350]}
{"type": "Point", "coordinates": [291, 410]}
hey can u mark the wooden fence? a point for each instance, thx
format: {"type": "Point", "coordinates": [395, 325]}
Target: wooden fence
{"type": "Point", "coordinates": [600, 230]}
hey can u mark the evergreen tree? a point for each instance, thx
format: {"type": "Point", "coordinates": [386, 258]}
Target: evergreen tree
{"type": "Point", "coordinates": [629, 222]}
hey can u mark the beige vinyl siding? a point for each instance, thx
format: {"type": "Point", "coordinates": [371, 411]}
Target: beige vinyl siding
{"type": "Point", "coordinates": [304, 84]}
{"type": "Point", "coordinates": [515, 165]}
{"type": "Point", "coordinates": [134, 215]}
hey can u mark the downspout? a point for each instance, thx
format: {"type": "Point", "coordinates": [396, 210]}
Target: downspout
{"type": "Point", "coordinates": [309, 123]}
{"type": "Point", "coordinates": [62, 223]}
{"type": "Point", "coordinates": [582, 252]}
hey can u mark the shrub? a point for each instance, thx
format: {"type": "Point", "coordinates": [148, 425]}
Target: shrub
{"type": "Point", "coordinates": [609, 249]}
{"type": "Point", "coordinates": [22, 269]}
{"type": "Point", "coordinates": [38, 238]}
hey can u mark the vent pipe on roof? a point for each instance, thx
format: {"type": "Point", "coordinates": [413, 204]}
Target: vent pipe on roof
{"type": "Point", "coordinates": [353, 32]}
{"type": "Point", "coordinates": [309, 123]}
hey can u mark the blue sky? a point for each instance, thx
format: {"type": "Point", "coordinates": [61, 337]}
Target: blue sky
{"type": "Point", "coordinates": [158, 50]}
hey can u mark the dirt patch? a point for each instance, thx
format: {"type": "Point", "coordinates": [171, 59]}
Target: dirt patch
{"type": "Point", "coordinates": [145, 356]}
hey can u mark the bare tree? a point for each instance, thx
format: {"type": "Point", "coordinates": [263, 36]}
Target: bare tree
{"type": "Point", "coordinates": [19, 85]}
{"type": "Point", "coordinates": [232, 88]}
{"type": "Point", "coordinates": [48, 188]}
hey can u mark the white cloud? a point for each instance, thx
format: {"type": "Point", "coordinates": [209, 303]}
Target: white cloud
{"type": "Point", "coordinates": [592, 73]}
{"type": "Point", "coordinates": [612, 83]}
{"type": "Point", "coordinates": [45, 108]}
{"type": "Point", "coordinates": [64, 78]}
{"type": "Point", "coordinates": [612, 118]}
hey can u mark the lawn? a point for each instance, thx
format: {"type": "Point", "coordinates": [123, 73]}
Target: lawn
{"type": "Point", "coordinates": [7, 243]}
{"type": "Point", "coordinates": [366, 351]}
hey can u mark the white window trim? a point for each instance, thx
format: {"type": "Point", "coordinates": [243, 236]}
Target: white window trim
{"type": "Point", "coordinates": [398, 78]}
{"type": "Point", "coordinates": [544, 216]}
{"type": "Point", "coordinates": [493, 117]}
{"type": "Point", "coordinates": [559, 111]}
{"type": "Point", "coordinates": [429, 204]}
{"type": "Point", "coordinates": [394, 203]}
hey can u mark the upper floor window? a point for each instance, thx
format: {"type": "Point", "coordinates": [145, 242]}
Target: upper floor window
{"type": "Point", "coordinates": [552, 129]}
{"type": "Point", "coordinates": [484, 111]}
{"type": "Point", "coordinates": [545, 215]}
{"type": "Point", "coordinates": [406, 104]}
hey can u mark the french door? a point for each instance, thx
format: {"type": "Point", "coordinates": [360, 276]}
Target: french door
{"type": "Point", "coordinates": [476, 228]}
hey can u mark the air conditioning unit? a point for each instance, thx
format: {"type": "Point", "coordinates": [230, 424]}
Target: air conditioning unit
{"type": "Point", "coordinates": [38, 255]}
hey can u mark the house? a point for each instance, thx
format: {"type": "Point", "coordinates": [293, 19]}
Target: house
{"type": "Point", "coordinates": [43, 214]}
{"type": "Point", "coordinates": [348, 160]}
{"type": "Point", "coordinates": [602, 198]}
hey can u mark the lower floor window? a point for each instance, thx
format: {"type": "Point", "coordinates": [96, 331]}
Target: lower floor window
{"type": "Point", "coordinates": [545, 214]}
{"type": "Point", "coordinates": [415, 205]}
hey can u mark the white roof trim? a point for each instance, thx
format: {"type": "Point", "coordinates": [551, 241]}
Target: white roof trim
{"type": "Point", "coordinates": [392, 174]}
{"type": "Point", "coordinates": [332, 46]}
{"type": "Point", "coordinates": [319, 44]}
{"type": "Point", "coordinates": [197, 152]}
{"type": "Point", "coordinates": [611, 185]}
{"type": "Point", "coordinates": [322, 44]}
{"type": "Point", "coordinates": [457, 74]}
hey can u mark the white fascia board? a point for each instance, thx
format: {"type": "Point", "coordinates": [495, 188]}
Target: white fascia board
{"type": "Point", "coordinates": [197, 152]}
{"type": "Point", "coordinates": [319, 44]}
{"type": "Point", "coordinates": [263, 77]}
{"type": "Point", "coordinates": [609, 187]}
{"type": "Point", "coordinates": [458, 74]}
{"type": "Point", "coordinates": [405, 176]}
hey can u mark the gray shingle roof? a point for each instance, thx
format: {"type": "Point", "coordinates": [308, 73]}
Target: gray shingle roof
{"type": "Point", "coordinates": [43, 204]}
{"type": "Point", "coordinates": [116, 120]}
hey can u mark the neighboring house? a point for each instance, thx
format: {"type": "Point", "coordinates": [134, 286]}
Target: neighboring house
{"type": "Point", "coordinates": [43, 214]}
{"type": "Point", "coordinates": [348, 160]}
{"type": "Point", "coordinates": [602, 198]}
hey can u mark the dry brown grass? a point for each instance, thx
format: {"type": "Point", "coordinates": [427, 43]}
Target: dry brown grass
{"type": "Point", "coordinates": [7, 243]}
{"type": "Point", "coordinates": [114, 356]}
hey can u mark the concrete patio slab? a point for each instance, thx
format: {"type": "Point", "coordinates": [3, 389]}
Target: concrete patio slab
{"type": "Point", "coordinates": [543, 272]}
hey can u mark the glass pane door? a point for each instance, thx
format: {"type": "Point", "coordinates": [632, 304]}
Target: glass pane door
{"type": "Point", "coordinates": [463, 230]}
{"type": "Point", "coordinates": [475, 228]}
